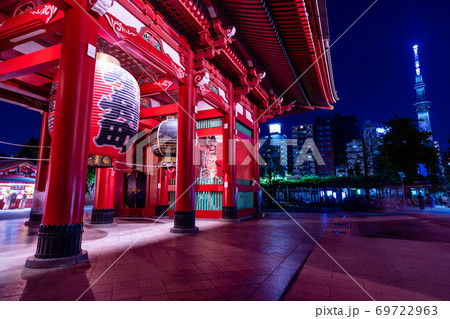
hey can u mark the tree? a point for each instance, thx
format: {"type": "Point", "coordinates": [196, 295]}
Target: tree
{"type": "Point", "coordinates": [90, 181]}
{"type": "Point", "coordinates": [29, 152]}
{"type": "Point", "coordinates": [402, 149]}
{"type": "Point", "coordinates": [272, 168]}
{"type": "Point", "coordinates": [364, 165]}
{"type": "Point", "coordinates": [356, 170]}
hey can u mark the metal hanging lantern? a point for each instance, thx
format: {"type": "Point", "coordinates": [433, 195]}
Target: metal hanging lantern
{"type": "Point", "coordinates": [115, 111]}
{"type": "Point", "coordinates": [163, 142]}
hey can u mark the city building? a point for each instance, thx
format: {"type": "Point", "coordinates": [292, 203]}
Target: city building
{"type": "Point", "coordinates": [342, 170]}
{"type": "Point", "coordinates": [274, 151]}
{"type": "Point", "coordinates": [331, 134]}
{"type": "Point", "coordinates": [355, 158]}
{"type": "Point", "coordinates": [303, 159]}
{"type": "Point", "coordinates": [345, 130]}
{"type": "Point", "coordinates": [142, 72]}
{"type": "Point", "coordinates": [323, 136]}
{"type": "Point", "coordinates": [372, 133]}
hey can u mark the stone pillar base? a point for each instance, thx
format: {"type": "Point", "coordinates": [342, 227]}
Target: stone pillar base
{"type": "Point", "coordinates": [161, 210]}
{"type": "Point", "coordinates": [34, 221]}
{"type": "Point", "coordinates": [59, 241]}
{"type": "Point", "coordinates": [229, 214]}
{"type": "Point", "coordinates": [37, 209]}
{"type": "Point", "coordinates": [102, 216]}
{"type": "Point", "coordinates": [184, 222]}
{"type": "Point", "coordinates": [44, 263]}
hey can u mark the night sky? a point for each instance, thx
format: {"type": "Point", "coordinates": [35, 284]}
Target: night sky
{"type": "Point", "coordinates": [373, 67]}
{"type": "Point", "coordinates": [373, 62]}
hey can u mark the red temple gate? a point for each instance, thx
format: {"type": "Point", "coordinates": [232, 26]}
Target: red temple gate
{"type": "Point", "coordinates": [208, 68]}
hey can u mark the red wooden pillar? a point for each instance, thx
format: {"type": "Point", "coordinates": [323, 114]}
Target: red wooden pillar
{"type": "Point", "coordinates": [37, 208]}
{"type": "Point", "coordinates": [163, 193]}
{"type": "Point", "coordinates": [105, 183]}
{"type": "Point", "coordinates": [62, 225]}
{"type": "Point", "coordinates": [229, 208]}
{"type": "Point", "coordinates": [184, 215]}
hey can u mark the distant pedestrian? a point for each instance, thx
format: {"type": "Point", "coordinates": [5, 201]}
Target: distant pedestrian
{"type": "Point", "coordinates": [444, 200]}
{"type": "Point", "coordinates": [429, 202]}
{"type": "Point", "coordinates": [12, 200]}
{"type": "Point", "coordinates": [23, 201]}
{"type": "Point", "coordinates": [7, 201]}
{"type": "Point", "coordinates": [421, 198]}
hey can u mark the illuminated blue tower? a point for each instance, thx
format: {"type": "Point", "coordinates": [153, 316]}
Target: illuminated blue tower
{"type": "Point", "coordinates": [422, 106]}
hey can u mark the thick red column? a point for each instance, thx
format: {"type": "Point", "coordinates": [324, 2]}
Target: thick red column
{"type": "Point", "coordinates": [105, 183]}
{"type": "Point", "coordinates": [37, 208]}
{"type": "Point", "coordinates": [229, 208]}
{"type": "Point", "coordinates": [62, 224]}
{"type": "Point", "coordinates": [163, 194]}
{"type": "Point", "coordinates": [185, 189]}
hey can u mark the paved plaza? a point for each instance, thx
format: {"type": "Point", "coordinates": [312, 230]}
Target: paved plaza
{"type": "Point", "coordinates": [403, 256]}
{"type": "Point", "coordinates": [391, 257]}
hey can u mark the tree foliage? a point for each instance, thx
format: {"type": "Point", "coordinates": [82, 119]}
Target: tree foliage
{"type": "Point", "coordinates": [29, 152]}
{"type": "Point", "coordinates": [272, 169]}
{"type": "Point", "coordinates": [327, 181]}
{"type": "Point", "coordinates": [90, 180]}
{"type": "Point", "coordinates": [403, 148]}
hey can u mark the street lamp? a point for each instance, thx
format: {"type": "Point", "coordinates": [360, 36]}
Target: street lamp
{"type": "Point", "coordinates": [402, 176]}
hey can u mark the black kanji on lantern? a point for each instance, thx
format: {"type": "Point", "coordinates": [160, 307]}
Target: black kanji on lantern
{"type": "Point", "coordinates": [120, 121]}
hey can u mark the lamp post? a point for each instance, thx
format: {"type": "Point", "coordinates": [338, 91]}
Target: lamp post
{"type": "Point", "coordinates": [402, 176]}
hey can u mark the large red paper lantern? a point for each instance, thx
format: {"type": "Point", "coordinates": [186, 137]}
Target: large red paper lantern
{"type": "Point", "coordinates": [115, 110]}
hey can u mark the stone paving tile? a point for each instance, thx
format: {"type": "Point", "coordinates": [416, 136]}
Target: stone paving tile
{"type": "Point", "coordinates": [163, 297]}
{"type": "Point", "coordinates": [208, 294]}
{"type": "Point", "coordinates": [102, 287]}
{"type": "Point", "coordinates": [195, 277]}
{"type": "Point", "coordinates": [178, 287]}
{"type": "Point", "coordinates": [239, 298]}
{"type": "Point", "coordinates": [153, 290]}
{"type": "Point", "coordinates": [122, 285]}
{"type": "Point", "coordinates": [183, 296]}
{"type": "Point", "coordinates": [225, 282]}
{"type": "Point", "coordinates": [151, 282]}
{"type": "Point", "coordinates": [125, 294]}
{"type": "Point", "coordinates": [197, 285]}
{"type": "Point", "coordinates": [238, 290]}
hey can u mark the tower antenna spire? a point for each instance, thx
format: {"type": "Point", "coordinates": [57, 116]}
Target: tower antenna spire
{"type": "Point", "coordinates": [422, 106]}
{"type": "Point", "coordinates": [416, 59]}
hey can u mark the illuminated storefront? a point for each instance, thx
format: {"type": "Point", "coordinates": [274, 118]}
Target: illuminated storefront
{"type": "Point", "coordinates": [16, 179]}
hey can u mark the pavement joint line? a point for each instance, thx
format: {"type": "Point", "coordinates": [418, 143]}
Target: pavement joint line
{"type": "Point", "coordinates": [315, 241]}
{"type": "Point", "coordinates": [131, 245]}
{"type": "Point", "coordinates": [275, 268]}
{"type": "Point", "coordinates": [317, 60]}
{"type": "Point", "coordinates": [299, 269]}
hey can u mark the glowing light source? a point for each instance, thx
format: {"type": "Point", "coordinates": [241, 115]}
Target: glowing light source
{"type": "Point", "coordinates": [416, 57]}
{"type": "Point", "coordinates": [275, 128]}
{"type": "Point", "coordinates": [382, 130]}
